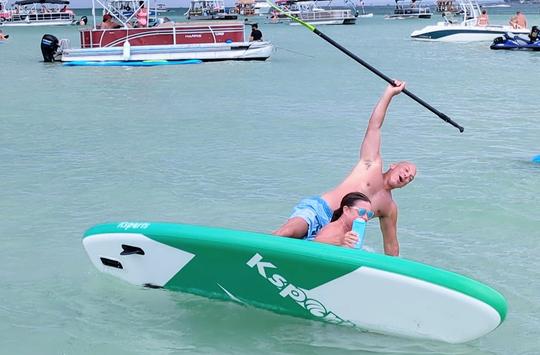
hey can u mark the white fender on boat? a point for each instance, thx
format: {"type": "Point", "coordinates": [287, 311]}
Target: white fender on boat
{"type": "Point", "coordinates": [126, 51]}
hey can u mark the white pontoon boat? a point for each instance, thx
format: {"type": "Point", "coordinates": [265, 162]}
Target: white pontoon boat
{"type": "Point", "coordinates": [411, 10]}
{"type": "Point", "coordinates": [308, 11]}
{"type": "Point", "coordinates": [207, 41]}
{"type": "Point", "coordinates": [36, 13]}
{"type": "Point", "coordinates": [208, 10]}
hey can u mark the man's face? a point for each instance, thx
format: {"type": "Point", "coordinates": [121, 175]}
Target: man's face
{"type": "Point", "coordinates": [401, 174]}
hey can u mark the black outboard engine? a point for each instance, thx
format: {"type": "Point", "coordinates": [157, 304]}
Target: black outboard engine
{"type": "Point", "coordinates": [83, 21]}
{"type": "Point", "coordinates": [49, 46]}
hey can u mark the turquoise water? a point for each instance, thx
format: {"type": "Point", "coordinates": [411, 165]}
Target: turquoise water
{"type": "Point", "coordinates": [236, 145]}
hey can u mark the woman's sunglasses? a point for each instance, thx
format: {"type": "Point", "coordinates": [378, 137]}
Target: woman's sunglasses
{"type": "Point", "coordinates": [362, 211]}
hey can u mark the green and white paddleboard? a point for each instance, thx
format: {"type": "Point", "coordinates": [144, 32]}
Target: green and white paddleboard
{"type": "Point", "coordinates": [305, 279]}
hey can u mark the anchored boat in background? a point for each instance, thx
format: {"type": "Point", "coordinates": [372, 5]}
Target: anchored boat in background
{"type": "Point", "coordinates": [411, 10]}
{"type": "Point", "coordinates": [309, 12]}
{"type": "Point", "coordinates": [36, 13]}
{"type": "Point", "coordinates": [208, 10]}
{"type": "Point", "coordinates": [363, 14]}
{"type": "Point", "coordinates": [206, 41]}
{"type": "Point", "coordinates": [464, 27]}
{"type": "Point", "coordinates": [261, 8]}
{"type": "Point", "coordinates": [162, 8]}
{"type": "Point", "coordinates": [299, 278]}
{"type": "Point", "coordinates": [129, 7]}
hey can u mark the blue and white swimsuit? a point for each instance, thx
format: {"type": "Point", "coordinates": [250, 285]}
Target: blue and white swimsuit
{"type": "Point", "coordinates": [316, 212]}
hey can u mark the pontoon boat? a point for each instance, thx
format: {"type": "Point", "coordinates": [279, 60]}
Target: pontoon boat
{"type": "Point", "coordinates": [36, 13]}
{"type": "Point", "coordinates": [208, 10]}
{"type": "Point", "coordinates": [207, 41]}
{"type": "Point", "coordinates": [411, 10]}
{"type": "Point", "coordinates": [308, 11]}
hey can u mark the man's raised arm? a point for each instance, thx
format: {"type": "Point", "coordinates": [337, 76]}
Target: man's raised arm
{"type": "Point", "coordinates": [371, 146]}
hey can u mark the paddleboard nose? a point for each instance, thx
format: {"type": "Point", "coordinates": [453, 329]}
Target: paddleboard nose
{"type": "Point", "coordinates": [536, 159]}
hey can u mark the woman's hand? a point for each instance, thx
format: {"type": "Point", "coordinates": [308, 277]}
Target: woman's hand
{"type": "Point", "coordinates": [350, 239]}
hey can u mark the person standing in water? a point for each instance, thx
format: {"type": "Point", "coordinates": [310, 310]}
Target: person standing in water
{"type": "Point", "coordinates": [312, 214]}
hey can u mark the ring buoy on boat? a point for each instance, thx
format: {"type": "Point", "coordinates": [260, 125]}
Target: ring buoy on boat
{"type": "Point", "coordinates": [83, 21]}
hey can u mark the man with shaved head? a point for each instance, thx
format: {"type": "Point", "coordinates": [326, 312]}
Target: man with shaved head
{"type": "Point", "coordinates": [313, 213]}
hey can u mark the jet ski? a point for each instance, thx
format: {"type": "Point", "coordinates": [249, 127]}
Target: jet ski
{"type": "Point", "coordinates": [511, 41]}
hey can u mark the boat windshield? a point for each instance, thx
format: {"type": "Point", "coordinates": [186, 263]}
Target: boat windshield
{"type": "Point", "coordinates": [466, 12]}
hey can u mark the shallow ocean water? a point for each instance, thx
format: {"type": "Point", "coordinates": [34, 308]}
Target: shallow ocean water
{"type": "Point", "coordinates": [236, 145]}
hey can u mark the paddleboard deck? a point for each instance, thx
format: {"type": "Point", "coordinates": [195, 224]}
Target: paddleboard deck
{"type": "Point", "coordinates": [304, 279]}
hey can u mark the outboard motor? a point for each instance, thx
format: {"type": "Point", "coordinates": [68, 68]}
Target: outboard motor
{"type": "Point", "coordinates": [83, 21]}
{"type": "Point", "coordinates": [49, 46]}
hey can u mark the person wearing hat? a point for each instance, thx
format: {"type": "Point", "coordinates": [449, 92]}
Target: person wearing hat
{"type": "Point", "coordinates": [256, 34]}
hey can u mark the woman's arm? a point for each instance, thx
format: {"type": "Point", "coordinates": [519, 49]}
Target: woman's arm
{"type": "Point", "coordinates": [335, 236]}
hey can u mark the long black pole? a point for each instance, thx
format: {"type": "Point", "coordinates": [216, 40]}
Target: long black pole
{"type": "Point", "coordinates": [366, 65]}
{"type": "Point", "coordinates": [387, 79]}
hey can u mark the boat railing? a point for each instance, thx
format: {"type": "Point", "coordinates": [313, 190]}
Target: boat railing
{"type": "Point", "coordinates": [124, 18]}
{"type": "Point", "coordinates": [44, 16]}
{"type": "Point", "coordinates": [470, 9]}
{"type": "Point", "coordinates": [325, 14]}
{"type": "Point", "coordinates": [412, 10]}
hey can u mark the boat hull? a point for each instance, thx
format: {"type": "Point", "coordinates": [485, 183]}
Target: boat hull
{"type": "Point", "coordinates": [304, 279]}
{"type": "Point", "coordinates": [444, 32]}
{"type": "Point", "coordinates": [408, 16]}
{"type": "Point", "coordinates": [216, 17]}
{"type": "Point", "coordinates": [36, 23]}
{"type": "Point", "coordinates": [348, 21]}
{"type": "Point", "coordinates": [173, 34]}
{"type": "Point", "coordinates": [204, 52]}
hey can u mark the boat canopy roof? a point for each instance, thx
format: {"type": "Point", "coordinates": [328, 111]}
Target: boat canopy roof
{"type": "Point", "coordinates": [30, 2]}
